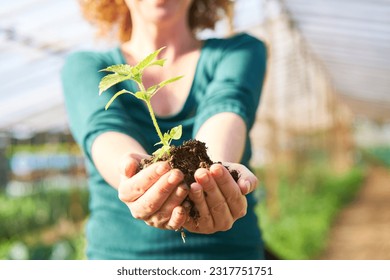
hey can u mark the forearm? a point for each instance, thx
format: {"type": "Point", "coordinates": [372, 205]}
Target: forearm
{"type": "Point", "coordinates": [107, 152]}
{"type": "Point", "coordinates": [225, 137]}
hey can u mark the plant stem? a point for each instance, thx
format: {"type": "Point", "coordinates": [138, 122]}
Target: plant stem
{"type": "Point", "coordinates": [153, 117]}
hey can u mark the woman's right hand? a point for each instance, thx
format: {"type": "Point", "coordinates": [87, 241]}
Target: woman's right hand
{"type": "Point", "coordinates": [154, 194]}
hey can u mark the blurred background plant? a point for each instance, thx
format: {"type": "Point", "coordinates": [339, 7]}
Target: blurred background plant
{"type": "Point", "coordinates": [321, 134]}
{"type": "Point", "coordinates": [44, 203]}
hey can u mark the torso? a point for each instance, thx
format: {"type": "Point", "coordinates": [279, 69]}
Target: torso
{"type": "Point", "coordinates": [129, 238]}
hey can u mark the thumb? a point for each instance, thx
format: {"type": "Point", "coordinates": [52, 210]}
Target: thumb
{"type": "Point", "coordinates": [129, 164]}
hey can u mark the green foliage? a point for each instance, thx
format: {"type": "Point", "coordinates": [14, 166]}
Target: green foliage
{"type": "Point", "coordinates": [123, 72]}
{"type": "Point", "coordinates": [20, 215]}
{"type": "Point", "coordinates": [67, 248]}
{"type": "Point", "coordinates": [24, 220]}
{"type": "Point", "coordinates": [174, 134]}
{"type": "Point", "coordinates": [110, 80]}
{"type": "Point", "coordinates": [307, 209]}
{"type": "Point", "coordinates": [68, 148]}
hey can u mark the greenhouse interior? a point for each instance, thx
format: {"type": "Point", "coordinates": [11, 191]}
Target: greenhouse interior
{"type": "Point", "coordinates": [321, 140]}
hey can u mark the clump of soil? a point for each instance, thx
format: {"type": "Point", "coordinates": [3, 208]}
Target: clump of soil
{"type": "Point", "coordinates": [189, 157]}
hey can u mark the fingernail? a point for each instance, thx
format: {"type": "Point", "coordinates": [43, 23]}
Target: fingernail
{"type": "Point", "coordinates": [218, 171]}
{"type": "Point", "coordinates": [162, 168]}
{"type": "Point", "coordinates": [175, 176]}
{"type": "Point", "coordinates": [171, 178]}
{"type": "Point", "coordinates": [204, 178]}
{"type": "Point", "coordinates": [184, 186]}
{"type": "Point", "coordinates": [196, 190]}
{"type": "Point", "coordinates": [181, 190]}
{"type": "Point", "coordinates": [248, 186]}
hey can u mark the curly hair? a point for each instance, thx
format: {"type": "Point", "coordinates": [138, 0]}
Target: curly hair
{"type": "Point", "coordinates": [114, 16]}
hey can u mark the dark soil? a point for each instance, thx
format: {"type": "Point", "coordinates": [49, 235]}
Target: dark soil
{"type": "Point", "coordinates": [189, 157]}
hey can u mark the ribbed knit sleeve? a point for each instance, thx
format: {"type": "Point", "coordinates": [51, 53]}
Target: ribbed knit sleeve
{"type": "Point", "coordinates": [85, 108]}
{"type": "Point", "coordinates": [237, 69]}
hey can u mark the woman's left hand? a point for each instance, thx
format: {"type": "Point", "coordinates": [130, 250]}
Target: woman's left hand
{"type": "Point", "coordinates": [219, 200]}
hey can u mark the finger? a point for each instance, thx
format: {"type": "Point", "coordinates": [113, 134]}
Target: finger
{"type": "Point", "coordinates": [129, 163]}
{"type": "Point", "coordinates": [152, 200]}
{"type": "Point", "coordinates": [215, 199]}
{"type": "Point", "coordinates": [203, 215]}
{"type": "Point", "coordinates": [235, 200]}
{"type": "Point", "coordinates": [247, 181]}
{"type": "Point", "coordinates": [128, 166]}
{"type": "Point", "coordinates": [176, 198]}
{"type": "Point", "coordinates": [131, 189]}
{"type": "Point", "coordinates": [178, 218]}
{"type": "Point", "coordinates": [165, 213]}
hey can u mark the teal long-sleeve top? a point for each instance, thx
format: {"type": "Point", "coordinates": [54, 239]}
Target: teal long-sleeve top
{"type": "Point", "coordinates": [228, 78]}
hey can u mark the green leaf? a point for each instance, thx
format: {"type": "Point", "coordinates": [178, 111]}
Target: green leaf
{"type": "Point", "coordinates": [165, 141]}
{"type": "Point", "coordinates": [152, 90]}
{"type": "Point", "coordinates": [158, 143]}
{"type": "Point", "coordinates": [161, 152]}
{"type": "Point", "coordinates": [149, 60]}
{"type": "Point", "coordinates": [159, 62]}
{"type": "Point", "coordinates": [120, 69]}
{"type": "Point", "coordinates": [136, 75]}
{"type": "Point", "coordinates": [115, 96]}
{"type": "Point", "coordinates": [176, 132]}
{"type": "Point", "coordinates": [110, 80]}
{"type": "Point", "coordinates": [142, 95]}
{"type": "Point", "coordinates": [164, 83]}
{"type": "Point", "coordinates": [166, 137]}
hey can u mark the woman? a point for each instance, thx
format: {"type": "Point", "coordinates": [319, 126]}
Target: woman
{"type": "Point", "coordinates": [215, 102]}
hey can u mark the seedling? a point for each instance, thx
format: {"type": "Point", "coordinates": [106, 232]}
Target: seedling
{"type": "Point", "coordinates": [123, 72]}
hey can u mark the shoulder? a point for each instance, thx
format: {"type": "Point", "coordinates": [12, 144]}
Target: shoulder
{"type": "Point", "coordinates": [83, 56]}
{"type": "Point", "coordinates": [240, 41]}
{"type": "Point", "coordinates": [79, 60]}
{"type": "Point", "coordinates": [241, 52]}
{"type": "Point", "coordinates": [239, 49]}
